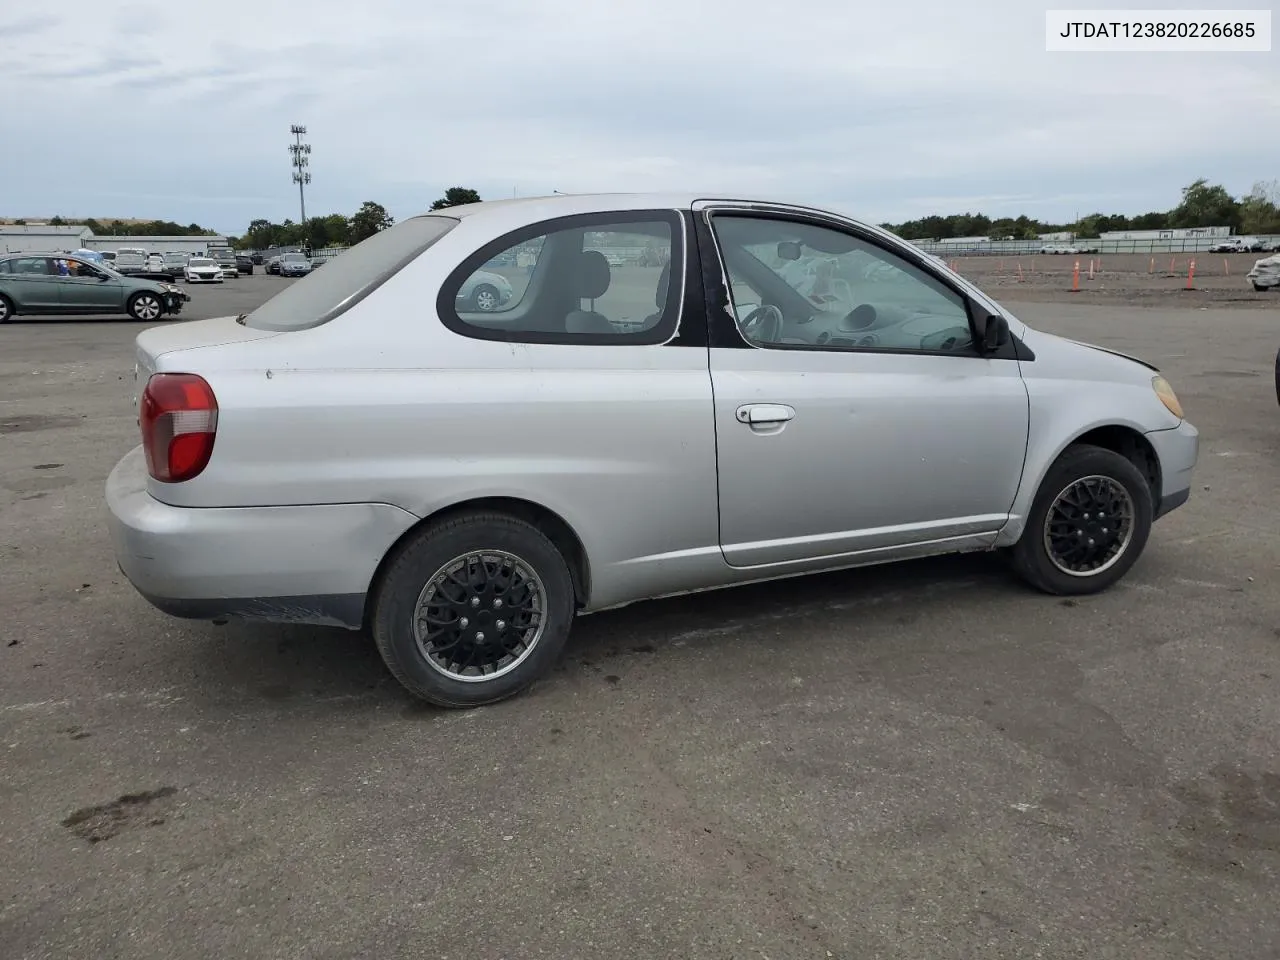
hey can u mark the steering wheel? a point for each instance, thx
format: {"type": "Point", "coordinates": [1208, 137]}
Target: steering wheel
{"type": "Point", "coordinates": [763, 324]}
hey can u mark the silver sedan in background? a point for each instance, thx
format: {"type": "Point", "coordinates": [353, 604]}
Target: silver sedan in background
{"type": "Point", "coordinates": [663, 404]}
{"type": "Point", "coordinates": [484, 292]}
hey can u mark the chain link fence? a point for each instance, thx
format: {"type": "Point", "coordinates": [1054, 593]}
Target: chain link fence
{"type": "Point", "coordinates": [1004, 248]}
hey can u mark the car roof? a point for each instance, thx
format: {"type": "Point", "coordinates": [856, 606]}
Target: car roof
{"type": "Point", "coordinates": [528, 209]}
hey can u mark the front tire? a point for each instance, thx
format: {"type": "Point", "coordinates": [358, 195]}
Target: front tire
{"type": "Point", "coordinates": [145, 307]}
{"type": "Point", "coordinates": [473, 610]}
{"type": "Point", "coordinates": [1088, 525]}
{"type": "Point", "coordinates": [6, 309]}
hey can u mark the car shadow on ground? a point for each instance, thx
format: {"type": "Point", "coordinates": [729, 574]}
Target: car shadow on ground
{"type": "Point", "coordinates": [268, 663]}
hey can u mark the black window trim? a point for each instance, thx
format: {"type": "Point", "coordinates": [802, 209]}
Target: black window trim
{"type": "Point", "coordinates": [667, 331]}
{"type": "Point", "coordinates": [724, 330]}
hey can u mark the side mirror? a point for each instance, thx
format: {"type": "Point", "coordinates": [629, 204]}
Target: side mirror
{"type": "Point", "coordinates": [992, 329]}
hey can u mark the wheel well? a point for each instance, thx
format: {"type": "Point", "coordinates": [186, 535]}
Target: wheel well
{"type": "Point", "coordinates": [1131, 445]}
{"type": "Point", "coordinates": [550, 523]}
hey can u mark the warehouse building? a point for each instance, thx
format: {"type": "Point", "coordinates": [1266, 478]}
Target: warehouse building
{"type": "Point", "coordinates": [42, 238]}
{"type": "Point", "coordinates": [197, 246]}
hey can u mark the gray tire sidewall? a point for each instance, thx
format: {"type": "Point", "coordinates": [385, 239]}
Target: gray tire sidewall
{"type": "Point", "coordinates": [6, 309]}
{"type": "Point", "coordinates": [419, 559]}
{"type": "Point", "coordinates": [1031, 559]}
{"type": "Point", "coordinates": [133, 306]}
{"type": "Point", "coordinates": [475, 297]}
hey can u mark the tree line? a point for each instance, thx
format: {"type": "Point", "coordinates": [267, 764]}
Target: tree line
{"type": "Point", "coordinates": [1202, 205]}
{"type": "Point", "coordinates": [119, 228]}
{"type": "Point", "coordinates": [336, 229]}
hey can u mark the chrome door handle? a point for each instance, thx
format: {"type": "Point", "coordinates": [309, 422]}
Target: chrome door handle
{"type": "Point", "coordinates": [753, 413]}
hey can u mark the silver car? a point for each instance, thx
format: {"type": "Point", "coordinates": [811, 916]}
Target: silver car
{"type": "Point", "coordinates": [365, 450]}
{"type": "Point", "coordinates": [484, 292]}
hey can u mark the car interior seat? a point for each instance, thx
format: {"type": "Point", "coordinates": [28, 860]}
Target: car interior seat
{"type": "Point", "coordinates": [660, 296]}
{"type": "Point", "coordinates": [592, 280]}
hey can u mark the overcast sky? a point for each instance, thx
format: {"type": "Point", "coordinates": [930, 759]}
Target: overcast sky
{"type": "Point", "coordinates": [181, 111]}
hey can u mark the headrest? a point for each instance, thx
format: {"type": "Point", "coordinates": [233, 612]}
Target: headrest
{"type": "Point", "coordinates": [593, 274]}
{"type": "Point", "coordinates": [664, 284]}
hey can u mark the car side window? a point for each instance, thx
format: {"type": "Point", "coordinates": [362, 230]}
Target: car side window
{"type": "Point", "coordinates": [78, 268]}
{"type": "Point", "coordinates": [820, 287]}
{"type": "Point", "coordinates": [591, 279]}
{"type": "Point", "coordinates": [32, 267]}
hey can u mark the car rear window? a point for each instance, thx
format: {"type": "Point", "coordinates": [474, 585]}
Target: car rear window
{"type": "Point", "coordinates": [349, 277]}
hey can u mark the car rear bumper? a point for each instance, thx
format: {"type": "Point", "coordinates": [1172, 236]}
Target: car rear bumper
{"type": "Point", "coordinates": [1178, 450]}
{"type": "Point", "coordinates": [295, 564]}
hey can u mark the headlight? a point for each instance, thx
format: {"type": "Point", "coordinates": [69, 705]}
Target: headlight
{"type": "Point", "coordinates": [1167, 396]}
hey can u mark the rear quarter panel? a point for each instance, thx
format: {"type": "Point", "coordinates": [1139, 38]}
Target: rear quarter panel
{"type": "Point", "coordinates": [385, 404]}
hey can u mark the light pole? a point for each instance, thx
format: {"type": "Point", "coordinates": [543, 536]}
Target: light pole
{"type": "Point", "coordinates": [301, 153]}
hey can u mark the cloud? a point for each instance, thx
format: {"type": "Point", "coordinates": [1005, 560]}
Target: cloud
{"type": "Point", "coordinates": [888, 113]}
{"type": "Point", "coordinates": [23, 27]}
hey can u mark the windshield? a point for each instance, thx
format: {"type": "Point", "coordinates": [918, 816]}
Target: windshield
{"type": "Point", "coordinates": [201, 262]}
{"type": "Point", "coordinates": [324, 294]}
{"type": "Point", "coordinates": [293, 257]}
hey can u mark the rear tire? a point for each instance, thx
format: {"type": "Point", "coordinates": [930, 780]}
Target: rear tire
{"type": "Point", "coordinates": [6, 309]}
{"type": "Point", "coordinates": [1088, 524]}
{"type": "Point", "coordinates": [473, 610]}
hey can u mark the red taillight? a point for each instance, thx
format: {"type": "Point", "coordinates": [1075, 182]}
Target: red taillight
{"type": "Point", "coordinates": [178, 414]}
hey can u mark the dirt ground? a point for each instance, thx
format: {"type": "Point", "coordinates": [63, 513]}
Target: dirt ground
{"type": "Point", "coordinates": [1130, 279]}
{"type": "Point", "coordinates": [925, 761]}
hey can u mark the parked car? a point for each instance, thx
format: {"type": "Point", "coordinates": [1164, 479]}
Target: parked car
{"type": "Point", "coordinates": [131, 260]}
{"type": "Point", "coordinates": [174, 261]}
{"type": "Point", "coordinates": [1230, 245]}
{"type": "Point", "coordinates": [484, 292]}
{"type": "Point", "coordinates": [109, 256]}
{"type": "Point", "coordinates": [256, 258]}
{"type": "Point", "coordinates": [273, 265]}
{"type": "Point", "coordinates": [203, 270]}
{"type": "Point", "coordinates": [1057, 248]}
{"type": "Point", "coordinates": [1265, 274]}
{"type": "Point", "coordinates": [244, 264]}
{"type": "Point", "coordinates": [465, 482]}
{"type": "Point", "coordinates": [294, 265]}
{"type": "Point", "coordinates": [226, 261]}
{"type": "Point", "coordinates": [64, 284]}
{"type": "Point", "coordinates": [155, 263]}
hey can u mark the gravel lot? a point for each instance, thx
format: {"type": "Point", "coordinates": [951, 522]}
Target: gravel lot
{"type": "Point", "coordinates": [923, 761]}
{"type": "Point", "coordinates": [1128, 279]}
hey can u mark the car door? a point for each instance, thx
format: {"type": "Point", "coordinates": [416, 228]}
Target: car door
{"type": "Point", "coordinates": [34, 283]}
{"type": "Point", "coordinates": [86, 289]}
{"type": "Point", "coordinates": [854, 413]}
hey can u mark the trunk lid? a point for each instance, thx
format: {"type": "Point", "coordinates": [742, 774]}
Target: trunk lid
{"type": "Point", "coordinates": [166, 348]}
